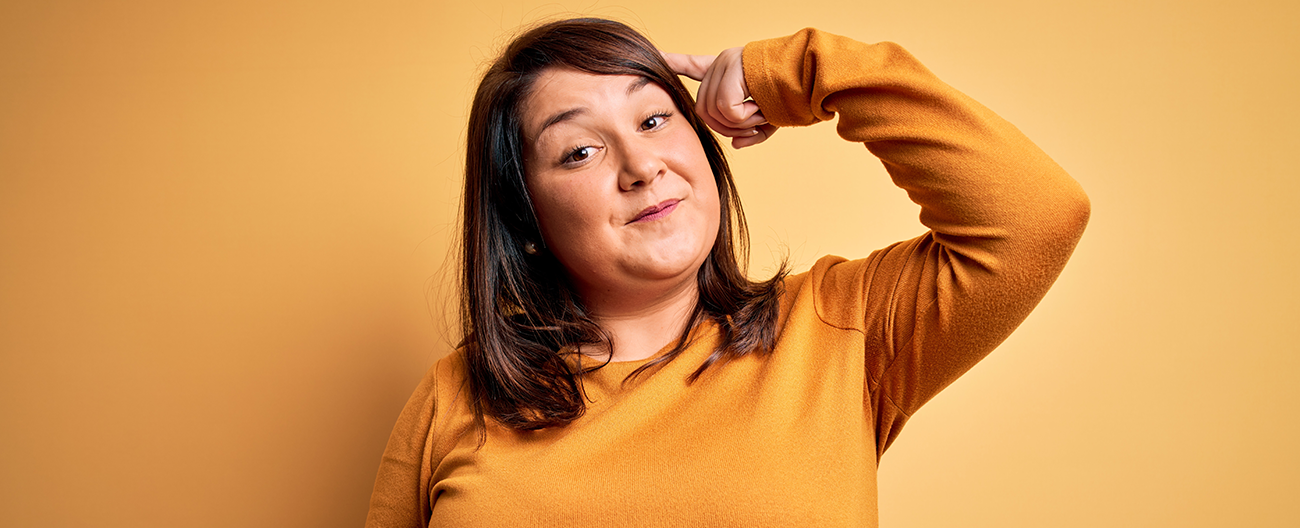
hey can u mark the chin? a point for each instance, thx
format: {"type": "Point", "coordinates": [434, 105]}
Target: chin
{"type": "Point", "coordinates": [683, 264]}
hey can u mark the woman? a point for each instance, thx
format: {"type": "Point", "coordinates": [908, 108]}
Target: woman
{"type": "Point", "coordinates": [619, 369]}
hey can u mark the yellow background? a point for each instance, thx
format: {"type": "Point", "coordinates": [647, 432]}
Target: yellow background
{"type": "Point", "coordinates": [223, 227]}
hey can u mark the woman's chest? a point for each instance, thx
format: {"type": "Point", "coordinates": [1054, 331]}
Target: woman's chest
{"type": "Point", "coordinates": [792, 450]}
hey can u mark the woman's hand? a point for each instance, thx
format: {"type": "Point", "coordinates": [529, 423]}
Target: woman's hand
{"type": "Point", "coordinates": [723, 98]}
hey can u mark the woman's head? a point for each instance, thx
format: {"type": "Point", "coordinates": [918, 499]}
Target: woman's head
{"type": "Point", "coordinates": [568, 106]}
{"type": "Point", "coordinates": [513, 151]}
{"type": "Point", "coordinates": [621, 187]}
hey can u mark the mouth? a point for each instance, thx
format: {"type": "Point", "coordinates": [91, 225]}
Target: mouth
{"type": "Point", "coordinates": [655, 212]}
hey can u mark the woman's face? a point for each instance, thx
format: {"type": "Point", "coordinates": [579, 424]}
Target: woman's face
{"type": "Point", "coordinates": [620, 183]}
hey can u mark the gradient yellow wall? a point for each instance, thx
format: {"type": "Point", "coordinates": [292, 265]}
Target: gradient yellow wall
{"type": "Point", "coordinates": [223, 226]}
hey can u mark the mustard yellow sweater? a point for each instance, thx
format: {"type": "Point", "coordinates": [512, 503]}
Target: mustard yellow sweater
{"type": "Point", "coordinates": [790, 439]}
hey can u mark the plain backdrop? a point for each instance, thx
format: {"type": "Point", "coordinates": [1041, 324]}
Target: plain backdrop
{"type": "Point", "coordinates": [223, 229]}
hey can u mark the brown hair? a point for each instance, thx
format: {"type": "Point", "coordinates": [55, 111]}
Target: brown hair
{"type": "Point", "coordinates": [518, 312]}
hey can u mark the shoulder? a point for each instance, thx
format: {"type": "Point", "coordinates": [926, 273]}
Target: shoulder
{"type": "Point", "coordinates": [832, 291]}
{"type": "Point", "coordinates": [446, 381]}
{"type": "Point", "coordinates": [439, 404]}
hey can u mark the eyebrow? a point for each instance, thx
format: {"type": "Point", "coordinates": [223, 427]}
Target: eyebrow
{"type": "Point", "coordinates": [571, 113]}
{"type": "Point", "coordinates": [560, 118]}
{"type": "Point", "coordinates": [638, 84]}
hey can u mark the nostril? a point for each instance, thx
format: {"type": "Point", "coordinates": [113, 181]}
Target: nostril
{"type": "Point", "coordinates": [634, 183]}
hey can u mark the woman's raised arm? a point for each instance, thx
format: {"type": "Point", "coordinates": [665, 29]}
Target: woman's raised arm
{"type": "Point", "coordinates": [1003, 217]}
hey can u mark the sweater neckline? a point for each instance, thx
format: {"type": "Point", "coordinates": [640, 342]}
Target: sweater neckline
{"type": "Point", "coordinates": [700, 332]}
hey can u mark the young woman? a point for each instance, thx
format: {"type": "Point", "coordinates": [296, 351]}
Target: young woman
{"type": "Point", "coordinates": [620, 369]}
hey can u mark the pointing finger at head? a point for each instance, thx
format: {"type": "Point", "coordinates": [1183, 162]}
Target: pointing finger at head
{"type": "Point", "coordinates": [693, 66]}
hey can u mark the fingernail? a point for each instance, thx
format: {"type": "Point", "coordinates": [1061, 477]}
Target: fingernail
{"type": "Point", "coordinates": [753, 131]}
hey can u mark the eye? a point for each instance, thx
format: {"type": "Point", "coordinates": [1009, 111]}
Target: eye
{"type": "Point", "coordinates": [578, 155]}
{"type": "Point", "coordinates": [655, 121]}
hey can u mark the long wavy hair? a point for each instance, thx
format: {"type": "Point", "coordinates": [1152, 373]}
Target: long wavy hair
{"type": "Point", "coordinates": [522, 321]}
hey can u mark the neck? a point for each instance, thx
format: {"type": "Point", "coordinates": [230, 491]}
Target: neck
{"type": "Point", "coordinates": [639, 330]}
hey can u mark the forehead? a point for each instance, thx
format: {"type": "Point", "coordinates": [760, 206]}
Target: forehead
{"type": "Point", "coordinates": [561, 91]}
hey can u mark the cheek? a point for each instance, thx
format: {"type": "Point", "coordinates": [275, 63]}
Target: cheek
{"type": "Point", "coordinates": [713, 210]}
{"type": "Point", "coordinates": [563, 211]}
{"type": "Point", "coordinates": [705, 185]}
{"type": "Point", "coordinates": [551, 213]}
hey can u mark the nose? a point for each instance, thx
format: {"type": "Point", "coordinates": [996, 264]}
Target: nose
{"type": "Point", "coordinates": [642, 165]}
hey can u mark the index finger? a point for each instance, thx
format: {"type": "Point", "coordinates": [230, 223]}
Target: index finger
{"type": "Point", "coordinates": [693, 66]}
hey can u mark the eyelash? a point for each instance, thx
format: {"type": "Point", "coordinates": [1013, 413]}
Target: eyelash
{"type": "Point", "coordinates": [568, 157]}
{"type": "Point", "coordinates": [660, 114]}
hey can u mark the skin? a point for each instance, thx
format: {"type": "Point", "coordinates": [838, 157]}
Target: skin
{"type": "Point", "coordinates": [624, 194]}
{"type": "Point", "coordinates": [723, 97]}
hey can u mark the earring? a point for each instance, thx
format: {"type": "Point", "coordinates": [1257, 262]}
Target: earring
{"type": "Point", "coordinates": [530, 248]}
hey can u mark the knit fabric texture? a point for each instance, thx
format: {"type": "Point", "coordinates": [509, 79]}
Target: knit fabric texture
{"type": "Point", "coordinates": [792, 438]}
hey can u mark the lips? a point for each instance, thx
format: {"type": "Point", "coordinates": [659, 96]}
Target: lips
{"type": "Point", "coordinates": [656, 212]}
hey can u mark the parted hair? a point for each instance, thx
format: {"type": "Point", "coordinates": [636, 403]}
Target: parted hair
{"type": "Point", "coordinates": [521, 320]}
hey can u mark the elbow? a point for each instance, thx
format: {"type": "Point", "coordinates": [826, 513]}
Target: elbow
{"type": "Point", "coordinates": [1076, 210]}
{"type": "Point", "coordinates": [1068, 217]}
{"type": "Point", "coordinates": [1060, 218]}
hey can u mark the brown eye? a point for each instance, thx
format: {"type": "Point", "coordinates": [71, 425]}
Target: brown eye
{"type": "Point", "coordinates": [579, 154]}
{"type": "Point", "coordinates": [654, 121]}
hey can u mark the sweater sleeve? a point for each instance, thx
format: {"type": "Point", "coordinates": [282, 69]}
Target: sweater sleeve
{"type": "Point", "coordinates": [1003, 218]}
